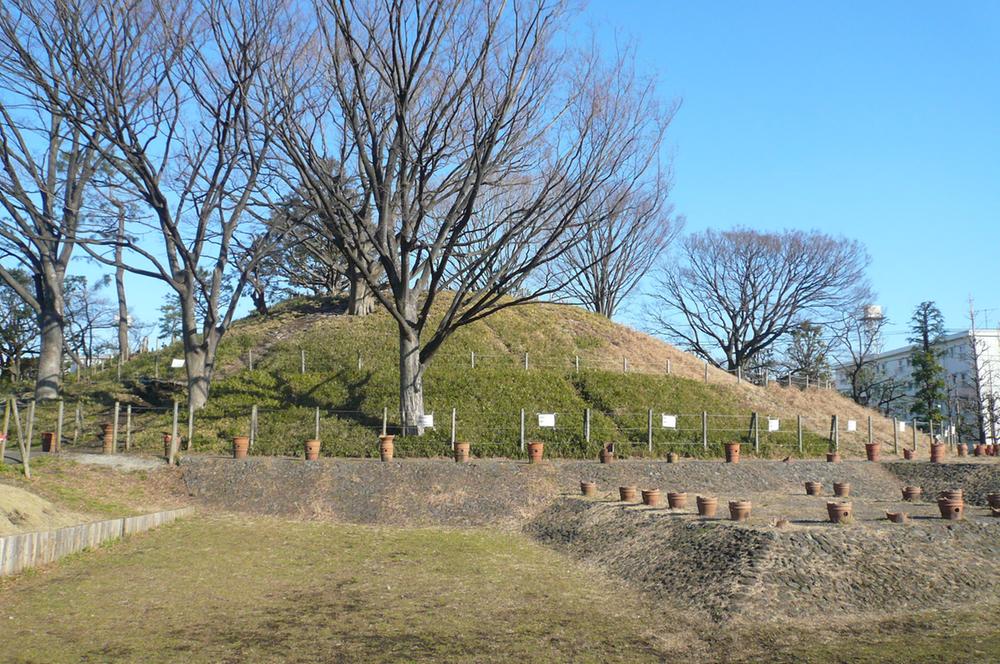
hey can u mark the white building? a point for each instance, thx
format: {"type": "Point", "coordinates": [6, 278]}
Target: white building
{"type": "Point", "coordinates": [961, 365]}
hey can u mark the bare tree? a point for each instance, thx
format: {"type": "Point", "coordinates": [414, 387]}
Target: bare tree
{"type": "Point", "coordinates": [472, 141]}
{"type": "Point", "coordinates": [172, 92]}
{"type": "Point", "coordinates": [733, 294]}
{"type": "Point", "coordinates": [46, 163]}
{"type": "Point", "coordinates": [630, 237]}
{"type": "Point", "coordinates": [858, 339]}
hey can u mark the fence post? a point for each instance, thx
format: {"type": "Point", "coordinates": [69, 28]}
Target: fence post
{"type": "Point", "coordinates": [250, 357]}
{"type": "Point", "coordinates": [190, 436]}
{"type": "Point", "coordinates": [253, 425]}
{"type": "Point", "coordinates": [668, 367]}
{"type": "Point", "coordinates": [114, 430]}
{"type": "Point", "coordinates": [756, 433]}
{"type": "Point", "coordinates": [77, 422]}
{"type": "Point", "coordinates": [895, 436]}
{"type": "Point", "coordinates": [359, 360]}
{"type": "Point", "coordinates": [385, 419]}
{"type": "Point", "coordinates": [6, 426]}
{"type": "Point", "coordinates": [836, 431]}
{"type": "Point", "coordinates": [473, 359]}
{"type": "Point", "coordinates": [807, 381]}
{"type": "Point", "coordinates": [453, 415]}
{"type": "Point", "coordinates": [577, 360]}
{"type": "Point", "coordinates": [522, 427]}
{"type": "Point", "coordinates": [175, 443]}
{"type": "Point", "coordinates": [586, 425]}
{"type": "Point", "coordinates": [739, 374]}
{"type": "Point", "coordinates": [59, 428]}
{"type": "Point", "coordinates": [302, 360]}
{"type": "Point", "coordinates": [704, 429]}
{"type": "Point", "coordinates": [128, 427]}
{"type": "Point", "coordinates": [767, 377]}
{"type": "Point", "coordinates": [914, 435]}
{"type": "Point", "coordinates": [317, 422]}
{"type": "Point", "coordinates": [525, 361]}
{"type": "Point", "coordinates": [624, 364]}
{"type": "Point", "coordinates": [706, 371]}
{"type": "Point", "coordinates": [798, 427]}
{"type": "Point", "coordinates": [649, 429]}
{"type": "Point", "coordinates": [871, 433]}
{"type": "Point", "coordinates": [119, 368]}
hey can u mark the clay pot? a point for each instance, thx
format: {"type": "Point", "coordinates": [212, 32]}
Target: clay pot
{"type": "Point", "coordinates": [962, 449]}
{"type": "Point", "coordinates": [49, 443]}
{"type": "Point", "coordinates": [673, 457]}
{"type": "Point", "coordinates": [707, 506]}
{"type": "Point", "coordinates": [241, 446]}
{"type": "Point", "coordinates": [606, 455]}
{"type": "Point", "coordinates": [841, 489]}
{"type": "Point", "coordinates": [732, 452]}
{"type": "Point", "coordinates": [535, 452]}
{"type": "Point", "coordinates": [993, 499]}
{"type": "Point", "coordinates": [462, 452]}
{"type": "Point", "coordinates": [908, 454]}
{"type": "Point", "coordinates": [991, 449]}
{"type": "Point", "coordinates": [739, 510]}
{"type": "Point", "coordinates": [873, 451]}
{"type": "Point", "coordinates": [677, 500]}
{"type": "Point", "coordinates": [107, 433]}
{"type": "Point", "coordinates": [898, 517]}
{"type": "Point", "coordinates": [386, 447]}
{"type": "Point", "coordinates": [588, 489]}
{"type": "Point", "coordinates": [833, 457]}
{"type": "Point", "coordinates": [952, 494]}
{"type": "Point", "coordinates": [951, 509]}
{"type": "Point", "coordinates": [838, 512]}
{"type": "Point", "coordinates": [312, 449]}
{"type": "Point", "coordinates": [912, 493]}
{"type": "Point", "coordinates": [814, 488]}
{"type": "Point", "coordinates": [166, 445]}
{"type": "Point", "coordinates": [937, 452]}
{"type": "Point", "coordinates": [652, 497]}
{"type": "Point", "coordinates": [627, 493]}
{"type": "Point", "coordinates": [979, 449]}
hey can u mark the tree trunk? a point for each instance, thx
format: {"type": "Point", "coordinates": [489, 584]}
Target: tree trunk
{"type": "Point", "coordinates": [199, 376]}
{"type": "Point", "coordinates": [259, 299]}
{"type": "Point", "coordinates": [50, 354]}
{"type": "Point", "coordinates": [123, 350]}
{"type": "Point", "coordinates": [411, 387]}
{"type": "Point", "coordinates": [361, 300]}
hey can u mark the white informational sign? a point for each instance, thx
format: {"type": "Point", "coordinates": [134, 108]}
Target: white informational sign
{"type": "Point", "coordinates": [427, 421]}
{"type": "Point", "coordinates": [547, 420]}
{"type": "Point", "coordinates": [772, 424]}
{"type": "Point", "coordinates": [902, 426]}
{"type": "Point", "coordinates": [852, 425]}
{"type": "Point", "coordinates": [669, 421]}
{"type": "Point", "coordinates": [177, 363]}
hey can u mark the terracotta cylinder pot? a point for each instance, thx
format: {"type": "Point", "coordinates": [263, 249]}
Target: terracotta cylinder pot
{"type": "Point", "coordinates": [873, 451]}
{"type": "Point", "coordinates": [627, 493]}
{"type": "Point", "coordinates": [937, 452]}
{"type": "Point", "coordinates": [991, 449]}
{"type": "Point", "coordinates": [838, 512]}
{"type": "Point", "coordinates": [962, 449]}
{"type": "Point", "coordinates": [732, 452]}
{"type": "Point", "coordinates": [677, 500]}
{"type": "Point", "coordinates": [833, 457]}
{"type": "Point", "coordinates": [605, 455]}
{"type": "Point", "coordinates": [652, 497]}
{"type": "Point", "coordinates": [951, 509]}
{"type": "Point", "coordinates": [707, 506]}
{"type": "Point", "coordinates": [979, 450]}
{"type": "Point", "coordinates": [912, 493]}
{"type": "Point", "coordinates": [908, 454]}
{"type": "Point", "coordinates": [107, 434]}
{"type": "Point", "coordinates": [49, 442]}
{"type": "Point", "coordinates": [588, 489]}
{"type": "Point", "coordinates": [739, 510]}
{"type": "Point", "coordinates": [386, 447]}
{"type": "Point", "coordinates": [841, 489]}
{"type": "Point", "coordinates": [993, 499]}
{"type": "Point", "coordinates": [814, 488]}
{"type": "Point", "coordinates": [952, 494]}
{"type": "Point", "coordinates": [898, 517]}
{"type": "Point", "coordinates": [535, 452]}
{"type": "Point", "coordinates": [673, 457]}
{"type": "Point", "coordinates": [241, 447]}
{"type": "Point", "coordinates": [312, 449]}
{"type": "Point", "coordinates": [462, 452]}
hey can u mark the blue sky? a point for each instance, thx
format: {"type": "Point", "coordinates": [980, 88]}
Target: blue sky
{"type": "Point", "coordinates": [878, 121]}
{"type": "Point", "coordinates": [874, 120]}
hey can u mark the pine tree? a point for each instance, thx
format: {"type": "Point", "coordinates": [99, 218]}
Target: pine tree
{"type": "Point", "coordinates": [927, 329]}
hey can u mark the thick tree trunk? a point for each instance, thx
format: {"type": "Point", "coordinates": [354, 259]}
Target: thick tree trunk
{"type": "Point", "coordinates": [360, 300]}
{"type": "Point", "coordinates": [199, 377]}
{"type": "Point", "coordinates": [50, 354]}
{"type": "Point", "coordinates": [411, 387]}
{"type": "Point", "coordinates": [123, 349]}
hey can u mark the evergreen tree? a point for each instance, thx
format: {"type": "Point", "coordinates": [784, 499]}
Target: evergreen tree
{"type": "Point", "coordinates": [927, 329]}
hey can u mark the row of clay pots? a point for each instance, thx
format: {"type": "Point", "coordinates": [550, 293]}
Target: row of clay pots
{"type": "Point", "coordinates": [990, 449]}
{"type": "Point", "coordinates": [707, 505]}
{"type": "Point", "coordinates": [840, 489]}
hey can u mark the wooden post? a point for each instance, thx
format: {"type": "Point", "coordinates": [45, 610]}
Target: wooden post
{"type": "Point", "coordinates": [6, 427]}
{"type": "Point", "coordinates": [119, 369]}
{"type": "Point", "coordinates": [798, 427]}
{"type": "Point", "coordinates": [577, 361]}
{"type": "Point", "coordinates": [836, 431]}
{"type": "Point", "coordinates": [525, 361]}
{"type": "Point", "coordinates": [586, 425]}
{"type": "Point", "coordinates": [473, 359]}
{"type": "Point", "coordinates": [914, 435]}
{"type": "Point", "coordinates": [704, 429]}
{"type": "Point", "coordinates": [895, 436]}
{"type": "Point", "coordinates": [739, 374]}
{"type": "Point", "coordinates": [668, 367]}
{"type": "Point", "coordinates": [706, 371]}
{"type": "Point", "coordinates": [385, 419]}
{"type": "Point", "coordinates": [649, 429]}
{"type": "Point", "coordinates": [522, 427]}
{"type": "Point", "coordinates": [175, 443]}
{"type": "Point", "coordinates": [807, 381]}
{"type": "Point", "coordinates": [59, 428]}
{"type": "Point", "coordinates": [190, 436]}
{"type": "Point", "coordinates": [871, 432]}
{"type": "Point", "coordinates": [250, 357]}
{"type": "Point", "coordinates": [77, 422]}
{"type": "Point", "coordinates": [128, 427]}
{"type": "Point", "coordinates": [25, 449]}
{"type": "Point", "coordinates": [302, 360]}
{"type": "Point", "coordinates": [756, 433]}
{"type": "Point", "coordinates": [114, 429]}
{"type": "Point", "coordinates": [359, 364]}
{"type": "Point", "coordinates": [453, 418]}
{"type": "Point", "coordinates": [253, 425]}
{"type": "Point", "coordinates": [317, 422]}
{"type": "Point", "coordinates": [624, 364]}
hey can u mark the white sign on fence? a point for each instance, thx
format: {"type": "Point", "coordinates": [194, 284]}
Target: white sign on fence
{"type": "Point", "coordinates": [773, 423]}
{"type": "Point", "coordinates": [852, 425]}
{"type": "Point", "coordinates": [177, 363]}
{"type": "Point", "coordinates": [426, 421]}
{"type": "Point", "coordinates": [547, 420]}
{"type": "Point", "coordinates": [669, 421]}
{"type": "Point", "coordinates": [902, 426]}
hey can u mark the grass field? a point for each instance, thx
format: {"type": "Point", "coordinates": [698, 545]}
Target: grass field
{"type": "Point", "coordinates": [234, 589]}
